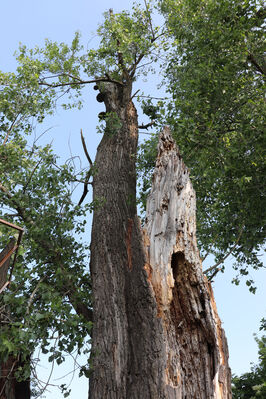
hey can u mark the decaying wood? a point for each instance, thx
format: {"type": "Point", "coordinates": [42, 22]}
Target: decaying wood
{"type": "Point", "coordinates": [195, 346]}
{"type": "Point", "coordinates": [156, 332]}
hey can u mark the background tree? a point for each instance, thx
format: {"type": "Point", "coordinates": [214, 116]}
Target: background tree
{"type": "Point", "coordinates": [50, 279]}
{"type": "Point", "coordinates": [252, 385]}
{"type": "Point", "coordinates": [216, 76]}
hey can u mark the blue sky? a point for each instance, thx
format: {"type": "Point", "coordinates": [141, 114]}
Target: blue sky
{"type": "Point", "coordinates": [30, 22]}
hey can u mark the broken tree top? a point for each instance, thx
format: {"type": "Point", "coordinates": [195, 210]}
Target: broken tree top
{"type": "Point", "coordinates": [196, 347]}
{"type": "Point", "coordinates": [171, 212]}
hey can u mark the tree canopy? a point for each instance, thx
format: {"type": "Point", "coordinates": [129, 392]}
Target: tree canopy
{"type": "Point", "coordinates": [214, 73]}
{"type": "Point", "coordinates": [216, 79]}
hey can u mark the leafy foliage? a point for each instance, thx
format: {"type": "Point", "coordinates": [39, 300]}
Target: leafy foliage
{"type": "Point", "coordinates": [126, 35]}
{"type": "Point", "coordinates": [252, 385]}
{"type": "Point", "coordinates": [216, 76]}
{"type": "Point", "coordinates": [51, 277]}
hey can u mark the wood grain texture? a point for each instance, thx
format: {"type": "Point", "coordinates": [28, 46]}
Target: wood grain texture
{"type": "Point", "coordinates": [195, 345]}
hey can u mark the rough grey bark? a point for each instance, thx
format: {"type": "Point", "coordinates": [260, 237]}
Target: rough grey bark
{"type": "Point", "coordinates": [125, 350]}
{"type": "Point", "coordinates": [156, 333]}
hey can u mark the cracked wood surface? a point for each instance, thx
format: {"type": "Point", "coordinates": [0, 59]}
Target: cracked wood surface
{"type": "Point", "coordinates": [195, 347]}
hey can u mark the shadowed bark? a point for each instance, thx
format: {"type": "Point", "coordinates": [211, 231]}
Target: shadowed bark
{"type": "Point", "coordinates": [10, 387]}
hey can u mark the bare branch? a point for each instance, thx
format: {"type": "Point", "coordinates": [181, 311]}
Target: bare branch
{"type": "Point", "coordinates": [155, 98]}
{"type": "Point", "coordinates": [88, 175]}
{"type": "Point", "coordinates": [85, 192]}
{"type": "Point", "coordinates": [80, 82]}
{"type": "Point", "coordinates": [147, 125]}
{"type": "Point", "coordinates": [134, 95]}
{"type": "Point", "coordinates": [211, 277]}
{"type": "Point", "coordinates": [33, 294]}
{"type": "Point", "coordinates": [85, 148]}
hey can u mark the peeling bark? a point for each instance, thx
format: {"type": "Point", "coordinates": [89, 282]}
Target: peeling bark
{"type": "Point", "coordinates": [156, 332]}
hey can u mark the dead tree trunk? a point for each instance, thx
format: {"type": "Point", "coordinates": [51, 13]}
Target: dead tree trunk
{"type": "Point", "coordinates": [195, 345]}
{"type": "Point", "coordinates": [156, 333]}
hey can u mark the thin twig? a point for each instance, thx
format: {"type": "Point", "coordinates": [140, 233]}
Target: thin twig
{"type": "Point", "coordinates": [149, 18]}
{"type": "Point", "coordinates": [226, 256]}
{"type": "Point", "coordinates": [33, 294]}
{"type": "Point", "coordinates": [82, 82]}
{"type": "Point", "coordinates": [32, 173]}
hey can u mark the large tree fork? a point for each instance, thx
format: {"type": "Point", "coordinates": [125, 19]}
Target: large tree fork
{"type": "Point", "coordinates": [156, 332]}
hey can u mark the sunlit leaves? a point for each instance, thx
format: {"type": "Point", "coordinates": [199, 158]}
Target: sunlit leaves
{"type": "Point", "coordinates": [217, 82]}
{"type": "Point", "coordinates": [125, 39]}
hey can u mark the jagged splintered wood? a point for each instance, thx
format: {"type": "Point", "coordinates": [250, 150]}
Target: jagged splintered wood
{"type": "Point", "coordinates": [195, 347]}
{"type": "Point", "coordinates": [156, 333]}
